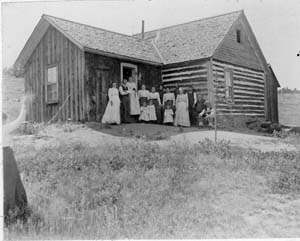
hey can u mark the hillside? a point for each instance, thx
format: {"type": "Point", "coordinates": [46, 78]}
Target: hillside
{"type": "Point", "coordinates": [12, 91]}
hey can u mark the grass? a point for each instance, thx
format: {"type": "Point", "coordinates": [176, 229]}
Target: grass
{"type": "Point", "coordinates": [143, 190]}
{"type": "Point", "coordinates": [288, 106]}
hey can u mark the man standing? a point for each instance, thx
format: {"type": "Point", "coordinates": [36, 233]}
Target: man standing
{"type": "Point", "coordinates": [192, 101]}
{"type": "Point", "coordinates": [199, 107]}
{"type": "Point", "coordinates": [161, 94]}
{"type": "Point", "coordinates": [125, 103]}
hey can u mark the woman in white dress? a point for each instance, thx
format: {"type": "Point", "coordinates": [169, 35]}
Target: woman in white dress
{"type": "Point", "coordinates": [182, 110]}
{"type": "Point", "coordinates": [112, 111]}
{"type": "Point", "coordinates": [133, 97]}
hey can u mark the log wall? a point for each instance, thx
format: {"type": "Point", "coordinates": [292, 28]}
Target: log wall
{"type": "Point", "coordinates": [186, 74]}
{"type": "Point", "coordinates": [56, 50]}
{"type": "Point", "coordinates": [248, 91]}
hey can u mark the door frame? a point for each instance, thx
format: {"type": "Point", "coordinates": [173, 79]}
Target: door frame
{"type": "Point", "coordinates": [128, 65]}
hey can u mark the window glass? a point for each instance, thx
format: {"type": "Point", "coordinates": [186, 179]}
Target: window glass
{"type": "Point", "coordinates": [52, 84]}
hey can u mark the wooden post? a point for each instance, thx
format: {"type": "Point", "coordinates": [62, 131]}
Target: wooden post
{"type": "Point", "coordinates": [216, 99]}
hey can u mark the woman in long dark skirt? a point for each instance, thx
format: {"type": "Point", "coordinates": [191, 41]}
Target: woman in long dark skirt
{"type": "Point", "coordinates": [154, 97]}
{"type": "Point", "coordinates": [143, 95]}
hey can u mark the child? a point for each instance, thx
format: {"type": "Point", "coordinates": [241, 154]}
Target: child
{"type": "Point", "coordinates": [168, 115]}
{"type": "Point", "coordinates": [144, 113]}
{"type": "Point", "coordinates": [151, 111]}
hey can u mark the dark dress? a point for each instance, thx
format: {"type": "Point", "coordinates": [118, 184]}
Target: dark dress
{"type": "Point", "coordinates": [143, 100]}
{"type": "Point", "coordinates": [14, 191]}
{"type": "Point", "coordinates": [191, 99]}
{"type": "Point", "coordinates": [157, 108]}
{"type": "Point", "coordinates": [199, 106]}
{"type": "Point", "coordinates": [161, 94]}
{"type": "Point", "coordinates": [125, 105]}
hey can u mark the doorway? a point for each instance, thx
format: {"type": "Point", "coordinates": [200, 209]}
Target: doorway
{"type": "Point", "coordinates": [129, 70]}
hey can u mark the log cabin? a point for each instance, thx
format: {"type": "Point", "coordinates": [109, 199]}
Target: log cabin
{"type": "Point", "coordinates": [69, 67]}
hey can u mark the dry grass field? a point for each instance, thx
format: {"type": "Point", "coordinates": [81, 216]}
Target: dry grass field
{"type": "Point", "coordinates": [84, 184]}
{"type": "Point", "coordinates": [289, 109]}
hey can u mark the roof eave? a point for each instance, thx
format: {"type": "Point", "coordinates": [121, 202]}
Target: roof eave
{"type": "Point", "coordinates": [124, 57]}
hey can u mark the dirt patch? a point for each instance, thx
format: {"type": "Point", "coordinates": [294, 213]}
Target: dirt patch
{"type": "Point", "coordinates": [164, 135]}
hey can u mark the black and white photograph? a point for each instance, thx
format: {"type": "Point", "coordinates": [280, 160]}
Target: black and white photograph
{"type": "Point", "coordinates": [150, 119]}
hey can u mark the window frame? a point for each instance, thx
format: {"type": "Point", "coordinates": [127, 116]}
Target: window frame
{"type": "Point", "coordinates": [52, 101]}
{"type": "Point", "coordinates": [230, 87]}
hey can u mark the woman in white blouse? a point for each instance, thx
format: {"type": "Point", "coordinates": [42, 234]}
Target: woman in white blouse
{"type": "Point", "coordinates": [154, 97]}
{"type": "Point", "coordinates": [112, 111]}
{"type": "Point", "coordinates": [143, 95]}
{"type": "Point", "coordinates": [168, 99]}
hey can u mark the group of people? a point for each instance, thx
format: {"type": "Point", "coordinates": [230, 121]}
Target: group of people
{"type": "Point", "coordinates": [128, 104]}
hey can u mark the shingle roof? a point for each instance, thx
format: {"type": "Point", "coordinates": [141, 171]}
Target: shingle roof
{"type": "Point", "coordinates": [193, 40]}
{"type": "Point", "coordinates": [106, 41]}
{"type": "Point", "coordinates": [179, 43]}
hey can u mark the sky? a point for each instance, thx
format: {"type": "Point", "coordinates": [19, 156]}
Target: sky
{"type": "Point", "coordinates": [276, 23]}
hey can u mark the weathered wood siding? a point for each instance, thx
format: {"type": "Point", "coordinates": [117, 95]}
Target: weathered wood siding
{"type": "Point", "coordinates": [248, 90]}
{"type": "Point", "coordinates": [243, 53]}
{"type": "Point", "coordinates": [55, 49]}
{"type": "Point", "coordinates": [272, 98]}
{"type": "Point", "coordinates": [185, 75]}
{"type": "Point", "coordinates": [151, 75]}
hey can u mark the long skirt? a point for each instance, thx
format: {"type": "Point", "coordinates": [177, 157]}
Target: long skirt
{"type": "Point", "coordinates": [182, 117]}
{"type": "Point", "coordinates": [112, 112]}
{"type": "Point", "coordinates": [15, 197]}
{"type": "Point", "coordinates": [125, 109]}
{"type": "Point", "coordinates": [134, 104]}
{"type": "Point", "coordinates": [143, 100]}
{"type": "Point", "coordinates": [157, 110]}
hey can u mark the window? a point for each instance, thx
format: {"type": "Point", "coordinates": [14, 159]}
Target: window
{"type": "Point", "coordinates": [52, 87]}
{"type": "Point", "coordinates": [238, 36]}
{"type": "Point", "coordinates": [228, 84]}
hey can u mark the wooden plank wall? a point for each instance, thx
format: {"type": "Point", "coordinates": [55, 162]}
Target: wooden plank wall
{"type": "Point", "coordinates": [185, 75]}
{"type": "Point", "coordinates": [248, 90]}
{"type": "Point", "coordinates": [243, 53]}
{"type": "Point", "coordinates": [55, 49]}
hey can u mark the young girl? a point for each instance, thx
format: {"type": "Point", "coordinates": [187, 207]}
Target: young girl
{"type": "Point", "coordinates": [168, 115]}
{"type": "Point", "coordinates": [151, 111]}
{"type": "Point", "coordinates": [144, 116]}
